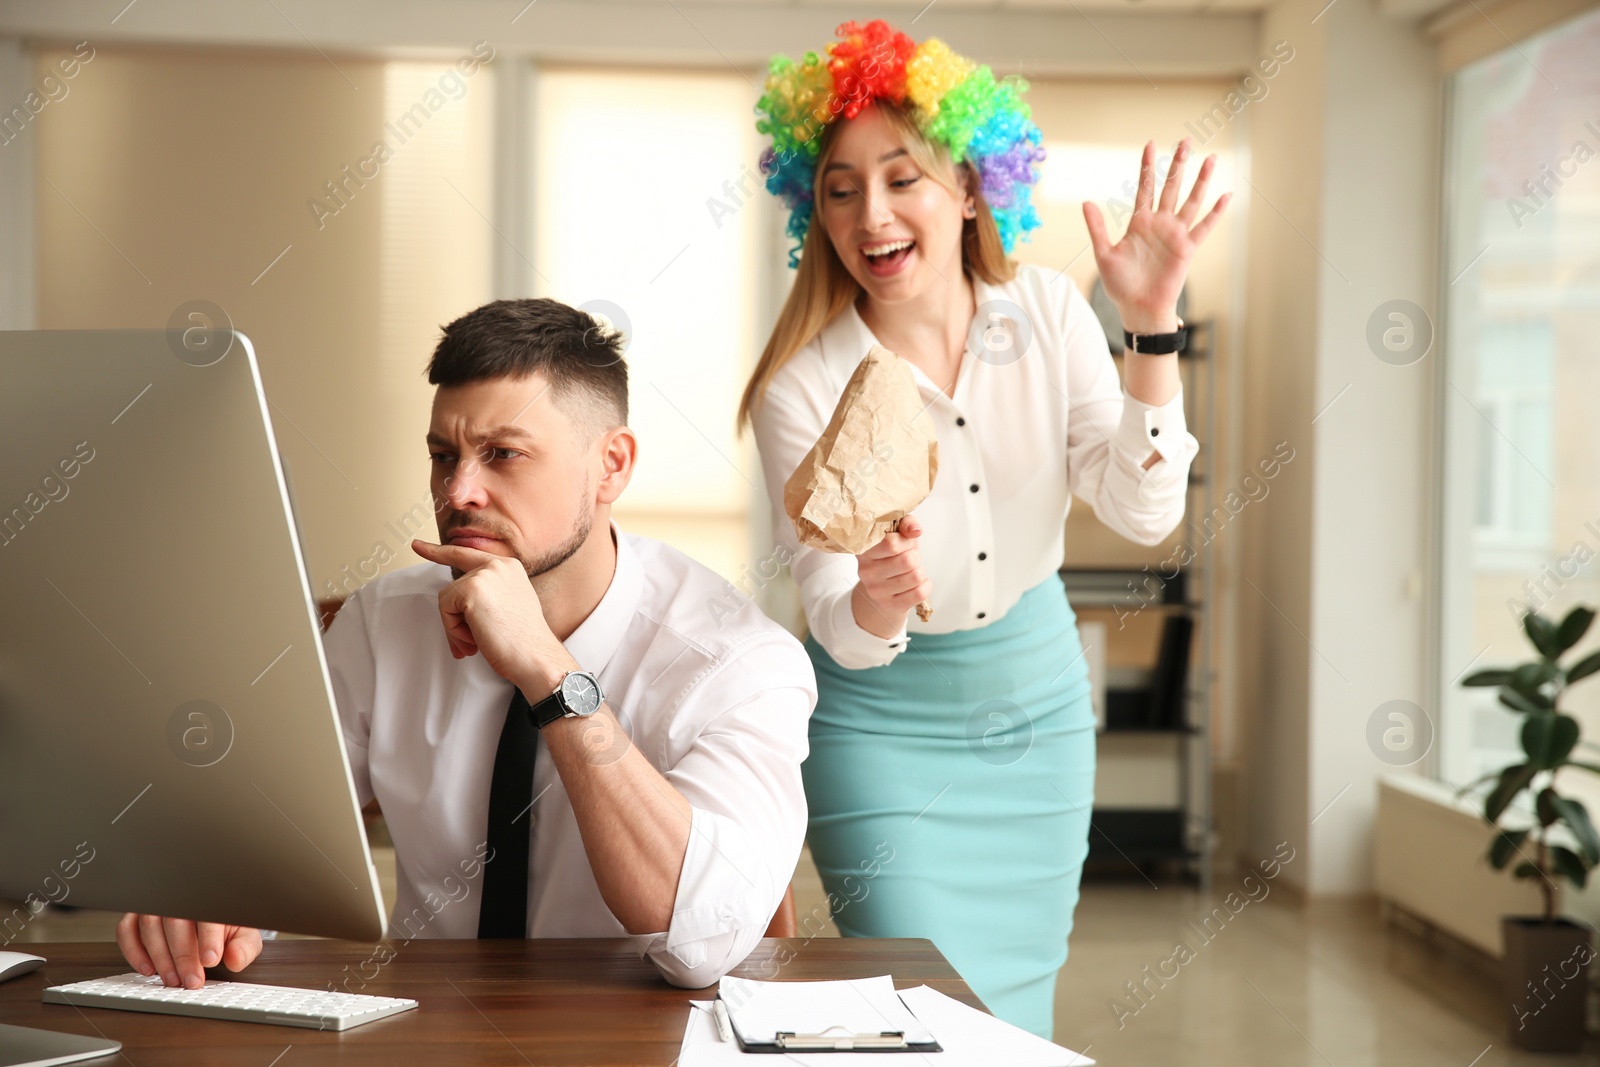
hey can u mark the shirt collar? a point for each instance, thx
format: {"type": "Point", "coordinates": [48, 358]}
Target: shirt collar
{"type": "Point", "coordinates": [847, 339]}
{"type": "Point", "coordinates": [597, 638]}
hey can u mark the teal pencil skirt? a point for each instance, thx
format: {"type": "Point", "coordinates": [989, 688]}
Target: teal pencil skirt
{"type": "Point", "coordinates": [950, 794]}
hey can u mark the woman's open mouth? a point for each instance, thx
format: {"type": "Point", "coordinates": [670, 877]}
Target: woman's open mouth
{"type": "Point", "coordinates": [888, 257]}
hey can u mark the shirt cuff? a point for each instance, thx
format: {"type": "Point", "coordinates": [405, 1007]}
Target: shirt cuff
{"type": "Point", "coordinates": [724, 902]}
{"type": "Point", "coordinates": [861, 647]}
{"type": "Point", "coordinates": [1162, 429]}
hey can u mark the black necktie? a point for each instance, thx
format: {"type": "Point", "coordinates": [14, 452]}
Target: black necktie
{"type": "Point", "coordinates": [504, 908]}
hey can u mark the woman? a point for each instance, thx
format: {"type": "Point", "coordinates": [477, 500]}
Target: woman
{"type": "Point", "coordinates": [951, 773]}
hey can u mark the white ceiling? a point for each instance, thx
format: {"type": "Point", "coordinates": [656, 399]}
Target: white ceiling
{"type": "Point", "coordinates": [1179, 38]}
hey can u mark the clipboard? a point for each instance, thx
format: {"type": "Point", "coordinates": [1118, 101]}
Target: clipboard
{"type": "Point", "coordinates": [833, 1039]}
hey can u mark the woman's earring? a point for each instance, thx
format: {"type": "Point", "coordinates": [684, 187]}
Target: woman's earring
{"type": "Point", "coordinates": [969, 212]}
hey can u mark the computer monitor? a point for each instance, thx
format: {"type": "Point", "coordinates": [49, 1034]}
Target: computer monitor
{"type": "Point", "coordinates": [168, 737]}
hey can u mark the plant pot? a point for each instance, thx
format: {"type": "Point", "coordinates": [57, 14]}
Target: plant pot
{"type": "Point", "coordinates": [1546, 982]}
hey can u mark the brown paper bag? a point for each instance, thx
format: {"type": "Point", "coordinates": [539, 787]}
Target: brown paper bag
{"type": "Point", "coordinates": [874, 463]}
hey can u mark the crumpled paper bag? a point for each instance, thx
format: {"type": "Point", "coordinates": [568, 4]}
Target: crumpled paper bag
{"type": "Point", "coordinates": [875, 462]}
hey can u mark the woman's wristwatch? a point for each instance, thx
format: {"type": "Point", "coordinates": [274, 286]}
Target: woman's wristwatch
{"type": "Point", "coordinates": [1156, 344]}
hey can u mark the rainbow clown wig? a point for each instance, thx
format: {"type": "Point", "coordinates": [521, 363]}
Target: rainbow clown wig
{"type": "Point", "coordinates": [953, 102]}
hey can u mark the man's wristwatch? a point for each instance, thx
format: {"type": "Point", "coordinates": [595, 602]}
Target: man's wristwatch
{"type": "Point", "coordinates": [578, 696]}
{"type": "Point", "coordinates": [1156, 344]}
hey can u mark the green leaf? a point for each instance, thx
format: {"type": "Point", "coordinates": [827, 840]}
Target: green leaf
{"type": "Point", "coordinates": [1504, 846]}
{"type": "Point", "coordinates": [1527, 870]}
{"type": "Point", "coordinates": [1542, 632]}
{"type": "Point", "coordinates": [1584, 667]}
{"type": "Point", "coordinates": [1576, 816]}
{"type": "Point", "coordinates": [1544, 807]}
{"type": "Point", "coordinates": [1569, 864]}
{"type": "Point", "coordinates": [1513, 780]}
{"type": "Point", "coordinates": [1492, 676]}
{"type": "Point", "coordinates": [1517, 700]}
{"type": "Point", "coordinates": [1573, 627]}
{"type": "Point", "coordinates": [1591, 767]}
{"type": "Point", "coordinates": [1527, 678]}
{"type": "Point", "coordinates": [1549, 738]}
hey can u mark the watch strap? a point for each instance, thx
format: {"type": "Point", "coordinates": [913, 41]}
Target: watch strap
{"type": "Point", "coordinates": [1157, 344]}
{"type": "Point", "coordinates": [547, 710]}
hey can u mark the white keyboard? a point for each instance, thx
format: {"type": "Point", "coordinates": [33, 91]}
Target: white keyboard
{"type": "Point", "coordinates": [315, 1009]}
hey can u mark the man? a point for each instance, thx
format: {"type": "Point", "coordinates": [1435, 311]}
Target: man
{"type": "Point", "coordinates": [655, 760]}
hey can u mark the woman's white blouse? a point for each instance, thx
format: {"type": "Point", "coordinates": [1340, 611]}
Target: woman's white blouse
{"type": "Point", "coordinates": [1038, 415]}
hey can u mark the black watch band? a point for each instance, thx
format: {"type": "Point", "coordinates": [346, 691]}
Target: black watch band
{"type": "Point", "coordinates": [578, 695]}
{"type": "Point", "coordinates": [547, 710]}
{"type": "Point", "coordinates": [1156, 344]}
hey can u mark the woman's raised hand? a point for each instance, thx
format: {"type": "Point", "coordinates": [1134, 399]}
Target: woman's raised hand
{"type": "Point", "coordinates": [1144, 272]}
{"type": "Point", "coordinates": [890, 580]}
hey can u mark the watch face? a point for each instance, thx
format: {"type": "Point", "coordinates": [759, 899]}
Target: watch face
{"type": "Point", "coordinates": [581, 692]}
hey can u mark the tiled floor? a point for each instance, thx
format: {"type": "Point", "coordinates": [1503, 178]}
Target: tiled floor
{"type": "Point", "coordinates": [1325, 985]}
{"type": "Point", "coordinates": [1278, 985]}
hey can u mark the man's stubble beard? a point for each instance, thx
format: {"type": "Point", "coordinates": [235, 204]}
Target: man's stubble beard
{"type": "Point", "coordinates": [555, 557]}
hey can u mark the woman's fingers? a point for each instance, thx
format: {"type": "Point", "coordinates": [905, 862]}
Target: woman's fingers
{"type": "Point", "coordinates": [881, 573]}
{"type": "Point", "coordinates": [906, 585]}
{"type": "Point", "coordinates": [896, 541]}
{"type": "Point", "coordinates": [1198, 234]}
{"type": "Point", "coordinates": [1145, 196]}
{"type": "Point", "coordinates": [1169, 190]}
{"type": "Point", "coordinates": [890, 572]}
{"type": "Point", "coordinates": [1097, 229]}
{"type": "Point", "coordinates": [1197, 195]}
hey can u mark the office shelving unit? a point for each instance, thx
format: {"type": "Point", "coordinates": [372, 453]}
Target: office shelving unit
{"type": "Point", "coordinates": [1182, 834]}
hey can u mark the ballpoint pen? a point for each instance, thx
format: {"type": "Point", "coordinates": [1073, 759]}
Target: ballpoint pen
{"type": "Point", "coordinates": [719, 1011]}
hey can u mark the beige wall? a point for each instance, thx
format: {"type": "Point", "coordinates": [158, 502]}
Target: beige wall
{"type": "Point", "coordinates": [1346, 174]}
{"type": "Point", "coordinates": [1127, 112]}
{"type": "Point", "coordinates": [1280, 329]}
{"type": "Point", "coordinates": [168, 175]}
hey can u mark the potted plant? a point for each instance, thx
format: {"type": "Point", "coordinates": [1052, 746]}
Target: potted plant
{"type": "Point", "coordinates": [1546, 957]}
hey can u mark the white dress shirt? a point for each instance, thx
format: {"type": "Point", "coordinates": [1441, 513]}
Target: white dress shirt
{"type": "Point", "coordinates": [714, 694]}
{"type": "Point", "coordinates": [1021, 435]}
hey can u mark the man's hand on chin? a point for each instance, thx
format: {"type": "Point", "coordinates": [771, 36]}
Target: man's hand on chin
{"type": "Point", "coordinates": [493, 608]}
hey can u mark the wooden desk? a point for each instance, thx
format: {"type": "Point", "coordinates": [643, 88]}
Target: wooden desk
{"type": "Point", "coordinates": [480, 1002]}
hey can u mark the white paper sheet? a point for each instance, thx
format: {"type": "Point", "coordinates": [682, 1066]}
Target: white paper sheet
{"type": "Point", "coordinates": [969, 1037]}
{"type": "Point", "coordinates": [760, 1010]}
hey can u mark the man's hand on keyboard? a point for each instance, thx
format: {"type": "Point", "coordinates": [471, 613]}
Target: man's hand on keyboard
{"type": "Point", "coordinates": [179, 950]}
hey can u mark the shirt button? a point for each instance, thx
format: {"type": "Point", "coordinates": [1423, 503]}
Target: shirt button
{"type": "Point", "coordinates": [960, 421]}
{"type": "Point", "coordinates": [981, 614]}
{"type": "Point", "coordinates": [894, 644]}
{"type": "Point", "coordinates": [983, 555]}
{"type": "Point", "coordinates": [974, 487]}
{"type": "Point", "coordinates": [1155, 431]}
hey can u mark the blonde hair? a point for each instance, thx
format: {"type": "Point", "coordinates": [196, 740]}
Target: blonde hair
{"type": "Point", "coordinates": [823, 288]}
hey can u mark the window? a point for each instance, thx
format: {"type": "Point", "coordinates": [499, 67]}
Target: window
{"type": "Point", "coordinates": [663, 164]}
{"type": "Point", "coordinates": [1515, 437]}
{"type": "Point", "coordinates": [1520, 507]}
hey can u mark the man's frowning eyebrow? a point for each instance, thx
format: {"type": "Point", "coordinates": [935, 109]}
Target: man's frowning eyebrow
{"type": "Point", "coordinates": [494, 433]}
